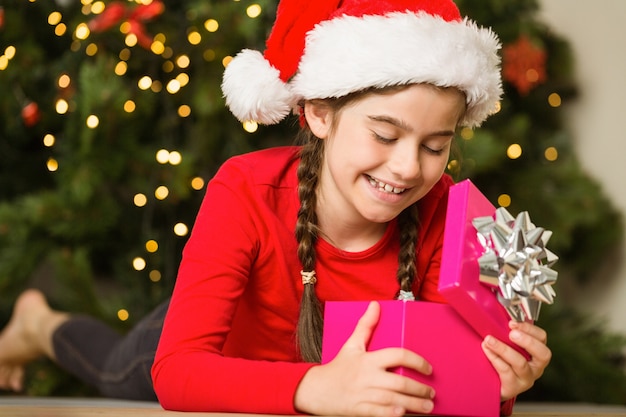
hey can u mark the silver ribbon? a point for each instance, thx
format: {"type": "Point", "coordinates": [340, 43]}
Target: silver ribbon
{"type": "Point", "coordinates": [516, 263]}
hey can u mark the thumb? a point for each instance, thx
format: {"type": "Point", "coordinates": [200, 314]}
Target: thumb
{"type": "Point", "coordinates": [365, 327]}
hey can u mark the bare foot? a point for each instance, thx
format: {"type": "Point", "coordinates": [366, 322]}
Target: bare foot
{"type": "Point", "coordinates": [26, 337]}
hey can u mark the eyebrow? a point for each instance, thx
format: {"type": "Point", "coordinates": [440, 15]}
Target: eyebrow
{"type": "Point", "coordinates": [402, 125]}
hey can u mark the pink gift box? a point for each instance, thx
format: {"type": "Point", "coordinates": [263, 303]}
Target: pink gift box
{"type": "Point", "coordinates": [464, 381]}
{"type": "Point", "coordinates": [448, 336]}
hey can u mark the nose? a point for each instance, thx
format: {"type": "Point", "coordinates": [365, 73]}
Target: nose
{"type": "Point", "coordinates": [404, 162]}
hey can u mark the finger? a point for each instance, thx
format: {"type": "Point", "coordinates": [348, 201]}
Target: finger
{"type": "Point", "coordinates": [365, 327]}
{"type": "Point", "coordinates": [394, 402]}
{"type": "Point", "coordinates": [395, 357]}
{"type": "Point", "coordinates": [491, 348]}
{"type": "Point", "coordinates": [533, 330]}
{"type": "Point", "coordinates": [538, 350]}
{"type": "Point", "coordinates": [408, 386]}
{"type": "Point", "coordinates": [513, 361]}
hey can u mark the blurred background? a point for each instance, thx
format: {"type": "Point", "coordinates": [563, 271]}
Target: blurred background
{"type": "Point", "coordinates": [112, 122]}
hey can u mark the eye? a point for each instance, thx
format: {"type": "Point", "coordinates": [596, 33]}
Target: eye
{"type": "Point", "coordinates": [432, 151]}
{"type": "Point", "coordinates": [382, 139]}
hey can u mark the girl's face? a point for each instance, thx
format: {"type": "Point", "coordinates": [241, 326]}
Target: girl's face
{"type": "Point", "coordinates": [383, 152]}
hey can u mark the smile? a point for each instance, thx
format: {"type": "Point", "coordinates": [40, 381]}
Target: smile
{"type": "Point", "coordinates": [384, 187]}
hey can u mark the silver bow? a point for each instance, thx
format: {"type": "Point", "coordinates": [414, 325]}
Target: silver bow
{"type": "Point", "coordinates": [515, 262]}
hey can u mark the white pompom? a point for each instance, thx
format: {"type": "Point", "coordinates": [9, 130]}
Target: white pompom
{"type": "Point", "coordinates": [254, 91]}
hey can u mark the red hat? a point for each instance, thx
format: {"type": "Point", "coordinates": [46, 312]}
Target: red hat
{"type": "Point", "coordinates": [330, 48]}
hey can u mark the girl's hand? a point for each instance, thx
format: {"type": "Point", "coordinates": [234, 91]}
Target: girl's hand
{"type": "Point", "coordinates": [359, 383]}
{"type": "Point", "coordinates": [517, 374]}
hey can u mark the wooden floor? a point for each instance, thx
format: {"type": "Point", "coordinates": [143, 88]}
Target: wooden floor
{"type": "Point", "coordinates": [62, 407]}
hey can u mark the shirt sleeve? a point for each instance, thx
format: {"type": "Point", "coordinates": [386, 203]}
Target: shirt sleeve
{"type": "Point", "coordinates": [190, 373]}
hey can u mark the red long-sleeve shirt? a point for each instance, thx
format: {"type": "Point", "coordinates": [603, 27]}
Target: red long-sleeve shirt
{"type": "Point", "coordinates": [228, 339]}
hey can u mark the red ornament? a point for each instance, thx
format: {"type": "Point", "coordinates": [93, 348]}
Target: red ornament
{"type": "Point", "coordinates": [1, 17]}
{"type": "Point", "coordinates": [524, 65]}
{"type": "Point", "coordinates": [31, 114]}
{"type": "Point", "coordinates": [118, 11]}
{"type": "Point", "coordinates": [112, 14]}
{"type": "Point", "coordinates": [147, 12]}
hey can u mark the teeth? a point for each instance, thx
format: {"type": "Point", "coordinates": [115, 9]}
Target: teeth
{"type": "Point", "coordinates": [385, 187]}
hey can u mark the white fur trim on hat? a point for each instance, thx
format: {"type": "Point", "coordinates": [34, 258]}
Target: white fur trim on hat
{"type": "Point", "coordinates": [348, 54]}
{"type": "Point", "coordinates": [254, 91]}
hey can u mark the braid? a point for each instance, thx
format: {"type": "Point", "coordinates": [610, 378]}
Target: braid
{"type": "Point", "coordinates": [310, 322]}
{"type": "Point", "coordinates": [407, 224]}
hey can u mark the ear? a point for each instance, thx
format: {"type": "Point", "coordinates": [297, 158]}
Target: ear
{"type": "Point", "coordinates": [319, 118]}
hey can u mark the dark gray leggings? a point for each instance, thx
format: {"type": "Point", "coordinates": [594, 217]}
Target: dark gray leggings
{"type": "Point", "coordinates": [117, 365]}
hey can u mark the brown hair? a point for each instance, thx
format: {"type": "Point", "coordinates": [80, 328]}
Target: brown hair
{"type": "Point", "coordinates": [310, 322]}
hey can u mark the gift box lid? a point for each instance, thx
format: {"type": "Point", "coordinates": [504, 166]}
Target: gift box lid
{"type": "Point", "coordinates": [459, 274]}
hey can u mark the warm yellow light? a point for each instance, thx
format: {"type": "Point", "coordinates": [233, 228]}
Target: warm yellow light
{"type": "Point", "coordinates": [92, 121]}
{"type": "Point", "coordinates": [122, 314]}
{"type": "Point", "coordinates": [211, 25]}
{"type": "Point", "coordinates": [167, 53]}
{"type": "Point", "coordinates": [163, 156]}
{"type": "Point", "coordinates": [183, 79]}
{"type": "Point", "coordinates": [129, 106]}
{"type": "Point", "coordinates": [140, 200]}
{"type": "Point", "coordinates": [453, 165]}
{"type": "Point", "coordinates": [4, 62]}
{"type": "Point", "coordinates": [504, 200]}
{"type": "Point", "coordinates": [157, 47]}
{"type": "Point", "coordinates": [253, 11]}
{"type": "Point", "coordinates": [226, 60]}
{"type": "Point", "coordinates": [175, 158]}
{"type": "Point", "coordinates": [52, 164]}
{"type": "Point", "coordinates": [497, 107]}
{"type": "Point", "coordinates": [60, 29]}
{"type": "Point", "coordinates": [514, 151]}
{"type": "Point", "coordinates": [49, 140]}
{"type": "Point", "coordinates": [139, 263]}
{"type": "Point", "coordinates": [82, 31]}
{"type": "Point", "coordinates": [467, 133]}
{"type": "Point", "coordinates": [54, 18]}
{"type": "Point", "coordinates": [91, 49]}
{"type": "Point", "coordinates": [130, 40]}
{"type": "Point", "coordinates": [197, 183]}
{"type": "Point", "coordinates": [125, 54]}
{"type": "Point", "coordinates": [532, 75]}
{"type": "Point", "coordinates": [125, 28]}
{"type": "Point", "coordinates": [155, 276]}
{"type": "Point", "coordinates": [64, 81]}
{"type": "Point", "coordinates": [152, 246]}
{"type": "Point", "coordinates": [551, 154]}
{"type": "Point", "coordinates": [173, 86]}
{"type": "Point", "coordinates": [62, 106]}
{"type": "Point", "coordinates": [9, 52]}
{"type": "Point", "coordinates": [121, 68]}
{"type": "Point", "coordinates": [97, 7]}
{"type": "Point", "coordinates": [181, 229]}
{"type": "Point", "coordinates": [554, 100]}
{"type": "Point", "coordinates": [250, 126]}
{"type": "Point", "coordinates": [194, 37]}
{"type": "Point", "coordinates": [183, 61]}
{"type": "Point", "coordinates": [184, 110]}
{"type": "Point", "coordinates": [161, 192]}
{"type": "Point", "coordinates": [144, 82]}
{"type": "Point", "coordinates": [156, 86]}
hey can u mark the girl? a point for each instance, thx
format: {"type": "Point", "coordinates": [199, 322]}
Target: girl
{"type": "Point", "coordinates": [354, 212]}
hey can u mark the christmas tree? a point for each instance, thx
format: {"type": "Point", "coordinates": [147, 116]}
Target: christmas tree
{"type": "Point", "coordinates": [113, 122]}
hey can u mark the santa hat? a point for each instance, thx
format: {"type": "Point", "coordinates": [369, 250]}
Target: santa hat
{"type": "Point", "coordinates": [330, 48]}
